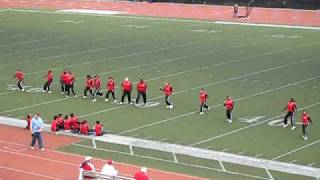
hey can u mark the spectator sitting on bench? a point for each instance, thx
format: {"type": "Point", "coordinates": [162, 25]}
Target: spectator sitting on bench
{"type": "Point", "coordinates": [54, 123]}
{"type": "Point", "coordinates": [98, 129]}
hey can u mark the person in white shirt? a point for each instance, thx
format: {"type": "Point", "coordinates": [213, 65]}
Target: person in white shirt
{"type": "Point", "coordinates": [109, 170]}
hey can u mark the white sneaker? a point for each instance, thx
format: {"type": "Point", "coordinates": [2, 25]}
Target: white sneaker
{"type": "Point", "coordinates": [62, 92]}
{"type": "Point", "coordinates": [94, 100]}
{"type": "Point", "coordinates": [115, 101]}
{"type": "Point", "coordinates": [209, 108]}
{"type": "Point", "coordinates": [67, 96]}
{"type": "Point", "coordinates": [293, 127]}
{"type": "Point", "coordinates": [168, 107]}
{"type": "Point", "coordinates": [106, 100]}
{"type": "Point", "coordinates": [31, 147]}
{"type": "Point", "coordinates": [305, 138]}
{"type": "Point", "coordinates": [84, 97]}
{"type": "Point", "coordinates": [42, 149]}
{"type": "Point", "coordinates": [229, 120]}
{"type": "Point", "coordinates": [44, 91]}
{"type": "Point", "coordinates": [201, 113]}
{"type": "Point", "coordinates": [121, 102]}
{"type": "Point", "coordinates": [285, 125]}
{"type": "Point", "coordinates": [75, 95]}
{"type": "Point", "coordinates": [171, 106]}
{"type": "Point", "coordinates": [49, 92]}
{"type": "Point", "coordinates": [22, 90]}
{"type": "Point", "coordinates": [130, 103]}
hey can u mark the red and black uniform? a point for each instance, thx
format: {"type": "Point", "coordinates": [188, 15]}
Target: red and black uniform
{"type": "Point", "coordinates": [98, 129]}
{"type": "Point", "coordinates": [54, 125]}
{"type": "Point", "coordinates": [126, 91]}
{"type": "Point", "coordinates": [291, 110]}
{"type": "Point", "coordinates": [142, 91]}
{"type": "Point", "coordinates": [60, 122]}
{"type": "Point", "coordinates": [84, 128]}
{"type": "Point", "coordinates": [20, 79]}
{"type": "Point", "coordinates": [203, 100]}
{"type": "Point", "coordinates": [29, 117]}
{"type": "Point", "coordinates": [111, 86]}
{"type": "Point", "coordinates": [229, 105]}
{"type": "Point", "coordinates": [305, 120]}
{"type": "Point", "coordinates": [167, 89]}
{"type": "Point", "coordinates": [97, 86]}
{"type": "Point", "coordinates": [49, 79]}
{"type": "Point", "coordinates": [69, 80]}
{"type": "Point", "coordinates": [62, 81]}
{"type": "Point", "coordinates": [74, 122]}
{"type": "Point", "coordinates": [89, 86]}
{"type": "Point", "coordinates": [141, 176]}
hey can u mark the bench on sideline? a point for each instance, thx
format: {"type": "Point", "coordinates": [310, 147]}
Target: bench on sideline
{"type": "Point", "coordinates": [97, 175]}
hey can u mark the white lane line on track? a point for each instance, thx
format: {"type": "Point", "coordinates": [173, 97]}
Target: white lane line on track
{"type": "Point", "coordinates": [296, 150]}
{"type": "Point", "coordinates": [239, 99]}
{"type": "Point", "coordinates": [252, 125]}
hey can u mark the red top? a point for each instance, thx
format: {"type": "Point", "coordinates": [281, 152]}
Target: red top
{"type": "Point", "coordinates": [19, 75]}
{"type": "Point", "coordinates": [291, 106]}
{"type": "Point", "coordinates": [203, 96]}
{"type": "Point", "coordinates": [167, 90]}
{"type": "Point", "coordinates": [87, 166]}
{"type": "Point", "coordinates": [98, 129]}
{"type": "Point", "coordinates": [141, 176]}
{"type": "Point", "coordinates": [229, 104]}
{"type": "Point", "coordinates": [90, 83]}
{"type": "Point", "coordinates": [50, 76]}
{"type": "Point", "coordinates": [54, 125]}
{"type": "Point", "coordinates": [97, 83]}
{"type": "Point", "coordinates": [84, 129]}
{"type": "Point", "coordinates": [28, 122]}
{"type": "Point", "coordinates": [142, 87]}
{"type": "Point", "coordinates": [126, 86]}
{"type": "Point", "coordinates": [63, 76]}
{"type": "Point", "coordinates": [111, 85]}
{"type": "Point", "coordinates": [67, 124]}
{"type": "Point", "coordinates": [74, 122]}
{"type": "Point", "coordinates": [60, 120]}
{"type": "Point", "coordinates": [305, 119]}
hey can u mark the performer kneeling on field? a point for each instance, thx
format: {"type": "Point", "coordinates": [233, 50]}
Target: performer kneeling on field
{"type": "Point", "coordinates": [142, 91]}
{"type": "Point", "coordinates": [20, 79]}
{"type": "Point", "coordinates": [89, 86]}
{"type": "Point", "coordinates": [49, 77]}
{"type": "Point", "coordinates": [291, 111]}
{"type": "Point", "coordinates": [111, 87]}
{"type": "Point", "coordinates": [167, 89]}
{"type": "Point", "coordinates": [97, 85]}
{"type": "Point", "coordinates": [305, 120]}
{"type": "Point", "coordinates": [126, 90]}
{"type": "Point", "coordinates": [229, 105]}
{"type": "Point", "coordinates": [203, 101]}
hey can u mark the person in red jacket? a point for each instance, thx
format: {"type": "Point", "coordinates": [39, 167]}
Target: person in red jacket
{"type": "Point", "coordinates": [97, 86]}
{"type": "Point", "coordinates": [29, 117]}
{"type": "Point", "coordinates": [49, 79]}
{"type": "Point", "coordinates": [142, 174]}
{"type": "Point", "coordinates": [89, 86]}
{"type": "Point", "coordinates": [291, 111]}
{"type": "Point", "coordinates": [167, 89]}
{"type": "Point", "coordinates": [54, 124]}
{"type": "Point", "coordinates": [142, 91]}
{"type": "Point", "coordinates": [67, 123]}
{"type": "Point", "coordinates": [203, 101]}
{"type": "Point", "coordinates": [74, 122]}
{"type": "Point", "coordinates": [126, 90]}
{"type": "Point", "coordinates": [69, 84]}
{"type": "Point", "coordinates": [84, 128]}
{"type": "Point", "coordinates": [62, 81]}
{"type": "Point", "coordinates": [305, 120]}
{"type": "Point", "coordinates": [86, 165]}
{"type": "Point", "coordinates": [98, 129]}
{"type": "Point", "coordinates": [60, 122]}
{"type": "Point", "coordinates": [20, 79]}
{"type": "Point", "coordinates": [111, 87]}
{"type": "Point", "coordinates": [229, 105]}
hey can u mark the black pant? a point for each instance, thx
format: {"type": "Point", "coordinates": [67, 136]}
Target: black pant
{"type": "Point", "coordinates": [35, 136]}
{"type": "Point", "coordinates": [229, 113]}
{"type": "Point", "coordinates": [112, 93]}
{"type": "Point", "coordinates": [20, 84]}
{"type": "Point", "coordinates": [46, 86]}
{"type": "Point", "coordinates": [97, 92]}
{"type": "Point", "coordinates": [68, 88]}
{"type": "Point", "coordinates": [168, 100]}
{"type": "Point", "coordinates": [291, 115]}
{"type": "Point", "coordinates": [304, 130]}
{"type": "Point", "coordinates": [203, 105]}
{"type": "Point", "coordinates": [124, 94]}
{"type": "Point", "coordinates": [86, 91]}
{"type": "Point", "coordinates": [63, 89]}
{"type": "Point", "coordinates": [144, 97]}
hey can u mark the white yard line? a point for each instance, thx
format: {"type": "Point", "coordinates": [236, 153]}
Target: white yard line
{"type": "Point", "coordinates": [24, 42]}
{"type": "Point", "coordinates": [239, 99]}
{"type": "Point", "coordinates": [296, 150]}
{"type": "Point", "coordinates": [29, 172]}
{"type": "Point", "coordinates": [258, 123]}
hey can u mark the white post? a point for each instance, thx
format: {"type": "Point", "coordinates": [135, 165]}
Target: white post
{"type": "Point", "coordinates": [269, 174]}
{"type": "Point", "coordinates": [131, 151]}
{"type": "Point", "coordinates": [222, 166]}
{"type": "Point", "coordinates": [94, 143]}
{"type": "Point", "coordinates": [175, 158]}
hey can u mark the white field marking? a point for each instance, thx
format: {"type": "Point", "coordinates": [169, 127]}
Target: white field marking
{"type": "Point", "coordinates": [28, 172]}
{"type": "Point", "coordinates": [88, 11]}
{"type": "Point", "coordinates": [170, 19]}
{"type": "Point", "coordinates": [293, 161]}
{"type": "Point", "coordinates": [4, 10]}
{"type": "Point", "coordinates": [12, 37]}
{"type": "Point", "coordinates": [258, 155]}
{"type": "Point", "coordinates": [149, 137]}
{"type": "Point", "coordinates": [242, 152]}
{"type": "Point", "coordinates": [24, 42]}
{"type": "Point", "coordinates": [225, 149]}
{"type": "Point", "coordinates": [311, 164]}
{"type": "Point", "coordinates": [131, 150]}
{"type": "Point", "coordinates": [11, 148]}
{"type": "Point", "coordinates": [175, 159]}
{"type": "Point", "coordinates": [172, 162]}
{"type": "Point", "coordinates": [79, 156]}
{"type": "Point", "coordinates": [253, 125]}
{"type": "Point", "coordinates": [222, 166]}
{"type": "Point", "coordinates": [208, 147]}
{"type": "Point", "coordinates": [295, 150]}
{"type": "Point", "coordinates": [163, 140]}
{"type": "Point", "coordinates": [193, 112]}
{"type": "Point", "coordinates": [135, 135]}
{"type": "Point", "coordinates": [176, 142]}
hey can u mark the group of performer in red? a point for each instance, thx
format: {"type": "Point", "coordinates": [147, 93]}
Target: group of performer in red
{"type": "Point", "coordinates": [93, 86]}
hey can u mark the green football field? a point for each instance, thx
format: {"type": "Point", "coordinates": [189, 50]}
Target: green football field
{"type": "Point", "coordinates": [260, 67]}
